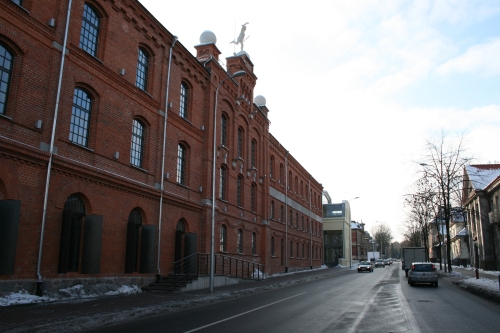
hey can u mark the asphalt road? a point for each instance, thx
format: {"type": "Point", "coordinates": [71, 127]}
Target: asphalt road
{"type": "Point", "coordinates": [381, 301]}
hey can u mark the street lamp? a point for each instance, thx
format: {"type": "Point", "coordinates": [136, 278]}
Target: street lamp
{"type": "Point", "coordinates": [212, 243]}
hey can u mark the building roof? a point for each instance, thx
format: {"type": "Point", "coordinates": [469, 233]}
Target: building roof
{"type": "Point", "coordinates": [482, 175]}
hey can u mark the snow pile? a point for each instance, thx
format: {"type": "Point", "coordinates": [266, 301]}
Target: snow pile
{"type": "Point", "coordinates": [75, 292]}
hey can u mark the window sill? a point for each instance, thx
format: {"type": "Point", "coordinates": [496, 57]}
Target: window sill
{"type": "Point", "coordinates": [6, 117]}
{"type": "Point", "coordinates": [78, 145]}
{"type": "Point", "coordinates": [139, 168]}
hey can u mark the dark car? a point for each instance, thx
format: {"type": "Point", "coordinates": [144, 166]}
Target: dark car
{"type": "Point", "coordinates": [423, 272]}
{"type": "Point", "coordinates": [379, 262]}
{"type": "Point", "coordinates": [365, 266]}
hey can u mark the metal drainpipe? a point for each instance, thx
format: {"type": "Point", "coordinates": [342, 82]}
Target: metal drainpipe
{"type": "Point", "coordinates": [39, 283]}
{"type": "Point", "coordinates": [158, 274]}
{"type": "Point", "coordinates": [286, 212]}
{"type": "Point", "coordinates": [310, 221]}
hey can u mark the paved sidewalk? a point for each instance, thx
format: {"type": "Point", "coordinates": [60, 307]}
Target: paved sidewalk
{"type": "Point", "coordinates": [85, 314]}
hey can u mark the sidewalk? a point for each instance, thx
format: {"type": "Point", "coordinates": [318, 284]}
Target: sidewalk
{"type": "Point", "coordinates": [487, 286]}
{"type": "Point", "coordinates": [81, 315]}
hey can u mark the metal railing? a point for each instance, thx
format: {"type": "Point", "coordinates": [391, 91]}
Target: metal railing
{"type": "Point", "coordinates": [198, 264]}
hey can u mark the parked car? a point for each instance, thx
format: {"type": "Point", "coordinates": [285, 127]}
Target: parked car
{"type": "Point", "coordinates": [379, 262]}
{"type": "Point", "coordinates": [365, 266]}
{"type": "Point", "coordinates": [423, 272]}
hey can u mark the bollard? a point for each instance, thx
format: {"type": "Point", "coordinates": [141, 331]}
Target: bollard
{"type": "Point", "coordinates": [477, 273]}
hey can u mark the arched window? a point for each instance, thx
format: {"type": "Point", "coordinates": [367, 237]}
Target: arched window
{"type": "Point", "coordinates": [181, 164]}
{"type": "Point", "coordinates": [239, 191]}
{"type": "Point", "coordinates": [254, 243]}
{"type": "Point", "coordinates": [290, 180]}
{"type": "Point", "coordinates": [89, 34]}
{"type": "Point", "coordinates": [298, 250]}
{"type": "Point", "coordinates": [183, 111]}
{"type": "Point", "coordinates": [282, 252]}
{"type": "Point", "coordinates": [272, 211]}
{"type": "Point", "coordinates": [271, 168]}
{"type": "Point", "coordinates": [301, 188]}
{"type": "Point", "coordinates": [290, 218]}
{"type": "Point", "coordinates": [223, 130]}
{"type": "Point", "coordinates": [6, 61]}
{"type": "Point", "coordinates": [223, 239]}
{"type": "Point", "coordinates": [291, 249]}
{"type": "Point", "coordinates": [302, 223]}
{"type": "Point", "coordinates": [282, 175]}
{"type": "Point", "coordinates": [240, 241]}
{"type": "Point", "coordinates": [240, 142]}
{"type": "Point", "coordinates": [71, 234]}
{"type": "Point", "coordinates": [222, 183]}
{"type": "Point", "coordinates": [133, 235]}
{"type": "Point", "coordinates": [254, 154]}
{"type": "Point", "coordinates": [80, 117]}
{"type": "Point", "coordinates": [296, 185]}
{"type": "Point", "coordinates": [141, 77]}
{"type": "Point", "coordinates": [253, 199]}
{"type": "Point", "coordinates": [282, 214]}
{"type": "Point", "coordinates": [296, 220]}
{"type": "Point", "coordinates": [137, 144]}
{"type": "Point", "coordinates": [272, 247]}
{"type": "Point", "coordinates": [303, 251]}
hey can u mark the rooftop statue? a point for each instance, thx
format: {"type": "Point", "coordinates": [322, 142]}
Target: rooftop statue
{"type": "Point", "coordinates": [241, 37]}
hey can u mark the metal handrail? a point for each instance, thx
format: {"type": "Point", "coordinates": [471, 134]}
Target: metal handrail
{"type": "Point", "coordinates": [198, 264]}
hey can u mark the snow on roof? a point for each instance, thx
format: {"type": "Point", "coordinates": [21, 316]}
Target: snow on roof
{"type": "Point", "coordinates": [482, 175]}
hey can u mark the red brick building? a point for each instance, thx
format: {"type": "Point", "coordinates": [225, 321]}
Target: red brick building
{"type": "Point", "coordinates": [86, 159]}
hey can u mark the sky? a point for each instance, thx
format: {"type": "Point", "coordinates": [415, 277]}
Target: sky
{"type": "Point", "coordinates": [355, 88]}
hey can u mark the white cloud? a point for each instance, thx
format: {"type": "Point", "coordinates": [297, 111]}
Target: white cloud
{"type": "Point", "coordinates": [482, 59]}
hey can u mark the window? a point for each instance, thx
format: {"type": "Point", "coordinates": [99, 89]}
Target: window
{"type": "Point", "coordinates": [80, 117]}
{"type": "Point", "coordinates": [6, 61]}
{"type": "Point", "coordinates": [282, 214]}
{"type": "Point", "coordinates": [289, 180]}
{"type": "Point", "coordinates": [296, 185]}
{"type": "Point", "coordinates": [303, 251]}
{"type": "Point", "coordinates": [223, 130]}
{"type": "Point", "coordinates": [137, 145]}
{"type": "Point", "coordinates": [254, 152]}
{"type": "Point", "coordinates": [272, 247]}
{"type": "Point", "coordinates": [72, 234]}
{"type": "Point", "coordinates": [18, 2]}
{"type": "Point", "coordinates": [183, 111]}
{"type": "Point", "coordinates": [240, 241]}
{"type": "Point", "coordinates": [253, 198]}
{"type": "Point", "coordinates": [302, 222]}
{"type": "Point", "coordinates": [240, 142]}
{"type": "Point", "coordinates": [272, 211]}
{"type": "Point", "coordinates": [141, 78]}
{"type": "Point", "coordinates": [90, 30]}
{"type": "Point", "coordinates": [239, 191]}
{"type": "Point", "coordinates": [296, 220]}
{"type": "Point", "coordinates": [223, 239]}
{"type": "Point", "coordinates": [133, 245]}
{"type": "Point", "coordinates": [271, 168]}
{"type": "Point", "coordinates": [254, 243]}
{"type": "Point", "coordinates": [282, 174]}
{"type": "Point", "coordinates": [181, 164]}
{"type": "Point", "coordinates": [291, 249]}
{"type": "Point", "coordinates": [290, 218]}
{"type": "Point", "coordinates": [298, 250]}
{"type": "Point", "coordinates": [222, 183]}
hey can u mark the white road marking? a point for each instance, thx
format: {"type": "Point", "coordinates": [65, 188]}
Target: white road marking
{"type": "Point", "coordinates": [241, 314]}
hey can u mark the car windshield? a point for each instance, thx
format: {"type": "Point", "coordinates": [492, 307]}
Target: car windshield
{"type": "Point", "coordinates": [364, 263]}
{"type": "Point", "coordinates": [423, 268]}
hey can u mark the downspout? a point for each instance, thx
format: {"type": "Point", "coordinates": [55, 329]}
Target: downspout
{"type": "Point", "coordinates": [310, 228]}
{"type": "Point", "coordinates": [158, 274]}
{"type": "Point", "coordinates": [39, 283]}
{"type": "Point", "coordinates": [286, 212]}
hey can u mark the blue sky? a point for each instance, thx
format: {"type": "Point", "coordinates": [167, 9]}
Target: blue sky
{"type": "Point", "coordinates": [355, 88]}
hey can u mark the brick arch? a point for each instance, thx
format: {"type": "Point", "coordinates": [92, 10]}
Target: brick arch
{"type": "Point", "coordinates": [13, 41]}
{"type": "Point", "coordinates": [75, 188]}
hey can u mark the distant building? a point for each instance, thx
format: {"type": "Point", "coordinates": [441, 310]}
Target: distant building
{"type": "Point", "coordinates": [337, 233]}
{"type": "Point", "coordinates": [360, 241]}
{"type": "Point", "coordinates": [481, 193]}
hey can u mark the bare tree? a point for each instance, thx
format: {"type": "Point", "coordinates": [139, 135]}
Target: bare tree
{"type": "Point", "coordinates": [442, 168]}
{"type": "Point", "coordinates": [383, 236]}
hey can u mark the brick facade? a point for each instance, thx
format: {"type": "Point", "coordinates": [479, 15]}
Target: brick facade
{"type": "Point", "coordinates": [96, 185]}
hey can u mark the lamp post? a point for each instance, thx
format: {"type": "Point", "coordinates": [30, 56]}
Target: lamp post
{"type": "Point", "coordinates": [212, 243]}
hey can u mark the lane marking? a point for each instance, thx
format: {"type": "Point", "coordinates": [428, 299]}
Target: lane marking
{"type": "Point", "coordinates": [362, 314]}
{"type": "Point", "coordinates": [243, 313]}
